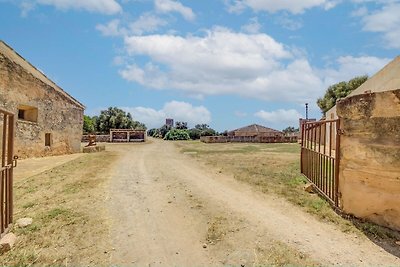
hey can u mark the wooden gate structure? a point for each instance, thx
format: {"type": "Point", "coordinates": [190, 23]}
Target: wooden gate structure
{"type": "Point", "coordinates": [8, 162]}
{"type": "Point", "coordinates": [320, 145]}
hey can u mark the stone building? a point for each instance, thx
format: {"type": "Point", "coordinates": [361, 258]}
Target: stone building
{"type": "Point", "coordinates": [48, 120]}
{"type": "Point", "coordinates": [253, 133]}
{"type": "Point", "coordinates": [384, 80]}
{"type": "Point", "coordinates": [169, 122]}
{"type": "Point", "coordinates": [255, 130]}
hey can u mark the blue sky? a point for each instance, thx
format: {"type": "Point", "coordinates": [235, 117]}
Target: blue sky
{"type": "Point", "coordinates": [228, 63]}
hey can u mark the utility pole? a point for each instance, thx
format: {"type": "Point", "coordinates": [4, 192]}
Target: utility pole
{"type": "Point", "coordinates": [307, 111]}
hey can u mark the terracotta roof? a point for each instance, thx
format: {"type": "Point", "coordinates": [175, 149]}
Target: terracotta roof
{"type": "Point", "coordinates": [11, 54]}
{"type": "Point", "coordinates": [256, 128]}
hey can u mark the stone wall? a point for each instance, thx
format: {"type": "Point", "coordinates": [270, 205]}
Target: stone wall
{"type": "Point", "coordinates": [369, 176]}
{"type": "Point", "coordinates": [249, 139]}
{"type": "Point", "coordinates": [100, 138]}
{"type": "Point", "coordinates": [55, 113]}
{"type": "Point", "coordinates": [214, 139]}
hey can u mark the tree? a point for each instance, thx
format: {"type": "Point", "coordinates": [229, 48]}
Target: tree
{"type": "Point", "coordinates": [194, 134]}
{"type": "Point", "coordinates": [208, 132]}
{"type": "Point", "coordinates": [89, 125]}
{"type": "Point", "coordinates": [337, 91]}
{"type": "Point", "coordinates": [115, 118]}
{"type": "Point", "coordinates": [177, 134]}
{"type": "Point", "coordinates": [290, 130]}
{"type": "Point", "coordinates": [181, 125]}
{"type": "Point", "coordinates": [201, 130]}
{"type": "Point", "coordinates": [202, 126]}
{"type": "Point", "coordinates": [152, 132]}
{"type": "Point", "coordinates": [164, 130]}
{"type": "Point", "coordinates": [224, 133]}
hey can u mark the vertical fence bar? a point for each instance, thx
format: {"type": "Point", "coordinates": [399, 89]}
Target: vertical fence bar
{"type": "Point", "coordinates": [319, 156]}
{"type": "Point", "coordinates": [6, 173]}
{"type": "Point", "coordinates": [330, 139]}
{"type": "Point", "coordinates": [302, 148]}
{"type": "Point", "coordinates": [314, 136]}
{"type": "Point", "coordinates": [3, 176]}
{"type": "Point", "coordinates": [10, 154]}
{"type": "Point", "coordinates": [337, 163]}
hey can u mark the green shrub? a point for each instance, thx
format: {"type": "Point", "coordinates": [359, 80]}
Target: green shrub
{"type": "Point", "coordinates": [194, 134]}
{"type": "Point", "coordinates": [176, 134]}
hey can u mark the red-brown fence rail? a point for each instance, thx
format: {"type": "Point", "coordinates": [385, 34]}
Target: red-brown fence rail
{"type": "Point", "coordinates": [320, 145]}
{"type": "Point", "coordinates": [6, 174]}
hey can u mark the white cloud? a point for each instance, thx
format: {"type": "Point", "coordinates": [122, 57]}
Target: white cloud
{"type": "Point", "coordinates": [280, 116]}
{"type": "Point", "coordinates": [167, 6]}
{"type": "Point", "coordinates": [272, 6]}
{"type": "Point", "coordinates": [108, 7]}
{"type": "Point", "coordinates": [26, 7]}
{"type": "Point", "coordinates": [227, 62]}
{"type": "Point", "coordinates": [179, 111]}
{"type": "Point", "coordinates": [118, 60]}
{"type": "Point", "coordinates": [288, 22]}
{"type": "Point", "coordinates": [385, 21]}
{"type": "Point", "coordinates": [112, 28]}
{"type": "Point", "coordinates": [252, 27]}
{"type": "Point", "coordinates": [146, 23]}
{"type": "Point", "coordinates": [348, 67]}
{"type": "Point", "coordinates": [359, 12]}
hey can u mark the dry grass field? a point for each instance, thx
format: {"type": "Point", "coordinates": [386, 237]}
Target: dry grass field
{"type": "Point", "coordinates": [274, 169]}
{"type": "Point", "coordinates": [67, 204]}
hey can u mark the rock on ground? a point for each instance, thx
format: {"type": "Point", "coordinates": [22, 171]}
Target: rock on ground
{"type": "Point", "coordinates": [23, 222]}
{"type": "Point", "coordinates": [7, 242]}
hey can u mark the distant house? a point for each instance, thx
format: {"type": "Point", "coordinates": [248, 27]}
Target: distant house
{"type": "Point", "coordinates": [254, 132]}
{"type": "Point", "coordinates": [48, 120]}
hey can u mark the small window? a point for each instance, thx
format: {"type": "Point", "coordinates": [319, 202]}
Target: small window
{"type": "Point", "coordinates": [47, 139]}
{"type": "Point", "coordinates": [27, 113]}
{"type": "Point", "coordinates": [21, 114]}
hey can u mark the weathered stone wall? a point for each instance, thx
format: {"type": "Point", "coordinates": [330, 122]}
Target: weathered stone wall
{"type": "Point", "coordinates": [249, 139]}
{"type": "Point", "coordinates": [58, 114]}
{"type": "Point", "coordinates": [370, 157]}
{"type": "Point", "coordinates": [100, 138]}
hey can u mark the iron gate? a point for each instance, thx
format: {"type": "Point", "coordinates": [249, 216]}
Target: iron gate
{"type": "Point", "coordinates": [8, 162]}
{"type": "Point", "coordinates": [320, 145]}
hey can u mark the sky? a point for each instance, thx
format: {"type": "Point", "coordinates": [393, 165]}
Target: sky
{"type": "Point", "coordinates": [226, 63]}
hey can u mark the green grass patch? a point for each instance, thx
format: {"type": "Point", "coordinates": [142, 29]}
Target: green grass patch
{"type": "Point", "coordinates": [28, 205]}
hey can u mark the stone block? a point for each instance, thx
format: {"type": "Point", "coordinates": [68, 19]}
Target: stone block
{"type": "Point", "coordinates": [309, 188]}
{"type": "Point", "coordinates": [7, 242]}
{"type": "Point", "coordinates": [23, 222]}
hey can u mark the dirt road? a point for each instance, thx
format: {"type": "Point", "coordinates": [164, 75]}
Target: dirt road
{"type": "Point", "coordinates": [168, 209]}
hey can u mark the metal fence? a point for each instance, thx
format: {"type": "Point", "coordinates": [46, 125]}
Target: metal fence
{"type": "Point", "coordinates": [8, 162]}
{"type": "Point", "coordinates": [320, 145]}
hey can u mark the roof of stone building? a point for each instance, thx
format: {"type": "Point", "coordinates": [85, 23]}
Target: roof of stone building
{"type": "Point", "coordinates": [386, 79]}
{"type": "Point", "coordinates": [256, 128]}
{"type": "Point", "coordinates": [11, 54]}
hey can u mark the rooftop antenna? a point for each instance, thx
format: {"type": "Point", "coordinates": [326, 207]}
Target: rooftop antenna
{"type": "Point", "coordinates": [306, 111]}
